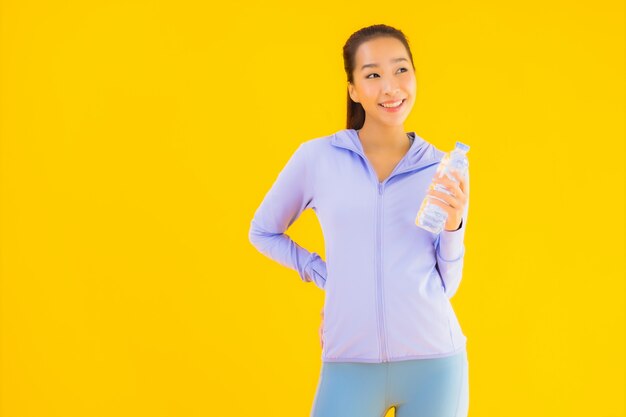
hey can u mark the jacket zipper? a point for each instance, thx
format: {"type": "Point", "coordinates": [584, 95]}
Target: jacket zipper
{"type": "Point", "coordinates": [379, 254]}
{"type": "Point", "coordinates": [379, 273]}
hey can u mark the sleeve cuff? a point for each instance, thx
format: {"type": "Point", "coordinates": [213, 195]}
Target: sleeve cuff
{"type": "Point", "coordinates": [451, 246]}
{"type": "Point", "coordinates": [316, 271]}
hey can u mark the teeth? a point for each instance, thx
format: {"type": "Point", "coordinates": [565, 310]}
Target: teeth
{"type": "Point", "coordinates": [396, 104]}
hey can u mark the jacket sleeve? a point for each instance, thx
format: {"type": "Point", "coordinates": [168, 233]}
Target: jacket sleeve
{"type": "Point", "coordinates": [450, 252]}
{"type": "Point", "coordinates": [290, 194]}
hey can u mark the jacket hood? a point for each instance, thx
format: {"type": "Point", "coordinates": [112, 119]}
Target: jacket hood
{"type": "Point", "coordinates": [421, 152]}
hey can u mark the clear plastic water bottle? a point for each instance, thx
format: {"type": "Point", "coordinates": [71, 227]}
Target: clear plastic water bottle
{"type": "Point", "coordinates": [430, 216]}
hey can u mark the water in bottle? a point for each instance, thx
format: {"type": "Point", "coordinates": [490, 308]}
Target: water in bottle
{"type": "Point", "coordinates": [430, 216]}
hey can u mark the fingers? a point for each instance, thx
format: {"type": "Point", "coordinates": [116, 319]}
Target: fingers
{"type": "Point", "coordinates": [447, 207]}
{"type": "Point", "coordinates": [451, 200]}
{"type": "Point", "coordinates": [449, 183]}
{"type": "Point", "coordinates": [456, 189]}
{"type": "Point", "coordinates": [462, 179]}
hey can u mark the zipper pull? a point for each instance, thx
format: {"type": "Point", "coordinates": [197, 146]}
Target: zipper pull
{"type": "Point", "coordinates": [380, 188]}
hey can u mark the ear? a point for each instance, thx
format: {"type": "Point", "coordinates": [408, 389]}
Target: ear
{"type": "Point", "coordinates": [352, 92]}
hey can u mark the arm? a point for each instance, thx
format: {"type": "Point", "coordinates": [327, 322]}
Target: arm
{"type": "Point", "coordinates": [287, 198]}
{"type": "Point", "coordinates": [450, 252]}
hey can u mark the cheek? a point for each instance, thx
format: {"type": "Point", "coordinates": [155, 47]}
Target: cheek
{"type": "Point", "coordinates": [410, 85]}
{"type": "Point", "coordinates": [370, 96]}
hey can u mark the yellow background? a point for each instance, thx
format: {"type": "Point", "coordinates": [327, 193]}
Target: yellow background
{"type": "Point", "coordinates": [138, 138]}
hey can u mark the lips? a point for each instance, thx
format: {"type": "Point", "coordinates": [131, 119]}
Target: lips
{"type": "Point", "coordinates": [393, 109]}
{"type": "Point", "coordinates": [392, 101]}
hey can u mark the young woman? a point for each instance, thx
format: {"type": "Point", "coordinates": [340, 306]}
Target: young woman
{"type": "Point", "coordinates": [390, 336]}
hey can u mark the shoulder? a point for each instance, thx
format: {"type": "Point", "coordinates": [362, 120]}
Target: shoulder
{"type": "Point", "coordinates": [317, 142]}
{"type": "Point", "coordinates": [423, 151]}
{"type": "Point", "coordinates": [316, 146]}
{"type": "Point", "coordinates": [434, 152]}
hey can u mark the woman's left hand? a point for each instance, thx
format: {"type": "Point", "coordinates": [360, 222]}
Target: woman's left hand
{"type": "Point", "coordinates": [455, 203]}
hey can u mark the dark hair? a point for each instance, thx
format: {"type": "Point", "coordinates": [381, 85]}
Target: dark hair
{"type": "Point", "coordinates": [356, 113]}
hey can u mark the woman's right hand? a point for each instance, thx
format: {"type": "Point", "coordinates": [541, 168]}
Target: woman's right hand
{"type": "Point", "coordinates": [321, 331]}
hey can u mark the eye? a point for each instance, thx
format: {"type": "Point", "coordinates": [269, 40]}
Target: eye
{"type": "Point", "coordinates": [401, 68]}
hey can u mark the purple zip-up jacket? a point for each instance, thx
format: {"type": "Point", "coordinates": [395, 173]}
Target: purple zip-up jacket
{"type": "Point", "coordinates": [388, 282]}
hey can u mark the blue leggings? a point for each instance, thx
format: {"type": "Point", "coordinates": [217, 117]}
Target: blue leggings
{"type": "Point", "coordinates": [436, 387]}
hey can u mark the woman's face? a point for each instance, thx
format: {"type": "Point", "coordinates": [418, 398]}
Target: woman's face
{"type": "Point", "coordinates": [388, 76]}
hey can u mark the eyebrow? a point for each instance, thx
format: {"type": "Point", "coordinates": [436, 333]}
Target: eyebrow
{"type": "Point", "coordinates": [393, 61]}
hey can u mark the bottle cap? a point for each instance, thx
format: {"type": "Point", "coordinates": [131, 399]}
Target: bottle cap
{"type": "Point", "coordinates": [461, 146]}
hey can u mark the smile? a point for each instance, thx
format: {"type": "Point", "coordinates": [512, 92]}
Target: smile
{"type": "Point", "coordinates": [393, 106]}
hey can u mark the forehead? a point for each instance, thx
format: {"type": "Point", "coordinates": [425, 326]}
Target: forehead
{"type": "Point", "coordinates": [380, 51]}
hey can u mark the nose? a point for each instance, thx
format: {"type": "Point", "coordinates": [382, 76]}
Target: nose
{"type": "Point", "coordinates": [391, 87]}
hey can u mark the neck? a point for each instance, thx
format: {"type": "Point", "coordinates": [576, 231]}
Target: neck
{"type": "Point", "coordinates": [383, 138]}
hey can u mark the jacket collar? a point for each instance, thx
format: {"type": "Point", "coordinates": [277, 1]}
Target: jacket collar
{"type": "Point", "coordinates": [419, 155]}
